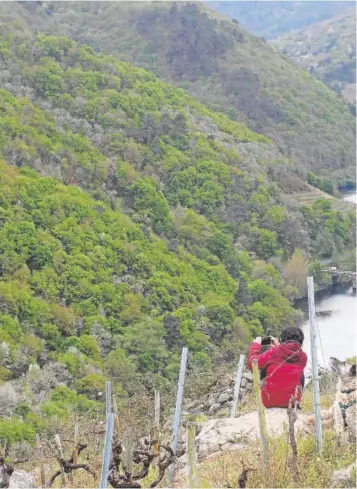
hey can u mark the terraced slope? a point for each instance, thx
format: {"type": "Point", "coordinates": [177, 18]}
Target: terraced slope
{"type": "Point", "coordinates": [310, 197]}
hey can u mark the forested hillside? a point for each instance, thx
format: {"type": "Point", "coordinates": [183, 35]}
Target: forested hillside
{"type": "Point", "coordinates": [272, 19]}
{"type": "Point", "coordinates": [119, 132]}
{"type": "Point", "coordinates": [133, 221]}
{"type": "Point", "coordinates": [89, 292]}
{"type": "Point", "coordinates": [217, 61]}
{"type": "Point", "coordinates": [327, 50]}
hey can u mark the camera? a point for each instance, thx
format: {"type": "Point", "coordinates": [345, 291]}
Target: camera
{"type": "Point", "coordinates": [267, 340]}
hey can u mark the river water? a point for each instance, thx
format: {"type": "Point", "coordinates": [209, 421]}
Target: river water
{"type": "Point", "coordinates": [338, 331]}
{"type": "Point", "coordinates": [351, 198]}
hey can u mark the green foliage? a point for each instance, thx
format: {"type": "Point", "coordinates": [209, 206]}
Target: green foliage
{"type": "Point", "coordinates": [331, 231]}
{"type": "Point", "coordinates": [266, 243]}
{"type": "Point", "coordinates": [93, 250]}
{"type": "Point", "coordinates": [222, 65]}
{"type": "Point", "coordinates": [65, 401]}
{"type": "Point", "coordinates": [166, 157]}
{"type": "Point", "coordinates": [91, 385]}
{"type": "Point", "coordinates": [112, 283]}
{"type": "Point", "coordinates": [322, 183]}
{"type": "Point", "coordinates": [13, 430]}
{"type": "Point", "coordinates": [315, 270]}
{"type": "Point", "coordinates": [149, 202]}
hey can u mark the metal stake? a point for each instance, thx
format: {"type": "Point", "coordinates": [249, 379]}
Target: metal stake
{"type": "Point", "coordinates": [314, 367]}
{"type": "Point", "coordinates": [109, 429]}
{"type": "Point", "coordinates": [177, 417]}
{"type": "Point", "coordinates": [237, 386]}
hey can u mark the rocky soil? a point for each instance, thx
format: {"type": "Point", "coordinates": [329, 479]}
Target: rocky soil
{"type": "Point", "coordinates": [218, 401]}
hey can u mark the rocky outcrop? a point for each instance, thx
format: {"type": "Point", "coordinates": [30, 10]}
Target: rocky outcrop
{"type": "Point", "coordinates": [217, 435]}
{"type": "Point", "coordinates": [218, 401]}
{"type": "Point", "coordinates": [342, 476]}
{"type": "Point", "coordinates": [21, 479]}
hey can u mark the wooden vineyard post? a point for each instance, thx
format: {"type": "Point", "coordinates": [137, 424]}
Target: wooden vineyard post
{"type": "Point", "coordinates": [157, 422]}
{"type": "Point", "coordinates": [60, 451]}
{"type": "Point", "coordinates": [314, 368]}
{"type": "Point", "coordinates": [262, 422]}
{"type": "Point", "coordinates": [128, 452]}
{"type": "Point", "coordinates": [74, 453]}
{"type": "Point", "coordinates": [177, 416]}
{"type": "Point", "coordinates": [76, 437]}
{"type": "Point", "coordinates": [237, 386]}
{"type": "Point", "coordinates": [191, 456]}
{"type": "Point", "coordinates": [41, 461]}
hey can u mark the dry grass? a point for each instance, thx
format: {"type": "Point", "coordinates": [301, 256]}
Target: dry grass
{"type": "Point", "coordinates": [327, 395]}
{"type": "Point", "coordinates": [313, 470]}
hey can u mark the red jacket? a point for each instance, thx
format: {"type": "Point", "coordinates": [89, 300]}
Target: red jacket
{"type": "Point", "coordinates": [284, 365]}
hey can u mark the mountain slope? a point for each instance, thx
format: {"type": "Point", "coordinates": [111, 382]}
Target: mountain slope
{"type": "Point", "coordinates": [272, 19]}
{"type": "Point", "coordinates": [85, 294]}
{"type": "Point", "coordinates": [119, 132]}
{"type": "Point", "coordinates": [327, 50]}
{"type": "Point", "coordinates": [146, 248]}
{"type": "Point", "coordinates": [215, 60]}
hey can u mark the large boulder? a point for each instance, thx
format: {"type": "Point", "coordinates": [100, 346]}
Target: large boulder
{"type": "Point", "coordinates": [217, 435]}
{"type": "Point", "coordinates": [22, 480]}
{"type": "Point", "coordinates": [342, 476]}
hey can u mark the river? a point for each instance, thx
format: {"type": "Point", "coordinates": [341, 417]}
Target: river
{"type": "Point", "coordinates": [351, 198]}
{"type": "Point", "coordinates": [338, 331]}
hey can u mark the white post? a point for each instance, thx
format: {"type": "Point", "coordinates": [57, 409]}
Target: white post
{"type": "Point", "coordinates": [177, 417]}
{"type": "Point", "coordinates": [108, 399]}
{"type": "Point", "coordinates": [109, 429]}
{"type": "Point", "coordinates": [107, 452]}
{"type": "Point", "coordinates": [314, 368]}
{"type": "Point", "coordinates": [237, 386]}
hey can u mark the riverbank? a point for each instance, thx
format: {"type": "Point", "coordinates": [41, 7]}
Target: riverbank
{"type": "Point", "coordinates": [324, 292]}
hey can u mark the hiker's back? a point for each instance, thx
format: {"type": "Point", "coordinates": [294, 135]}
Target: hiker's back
{"type": "Point", "coordinates": [283, 373]}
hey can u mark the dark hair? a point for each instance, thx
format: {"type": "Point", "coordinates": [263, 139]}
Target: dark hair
{"type": "Point", "coordinates": [292, 334]}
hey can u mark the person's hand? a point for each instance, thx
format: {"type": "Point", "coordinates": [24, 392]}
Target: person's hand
{"type": "Point", "coordinates": [276, 342]}
{"type": "Point", "coordinates": [258, 339]}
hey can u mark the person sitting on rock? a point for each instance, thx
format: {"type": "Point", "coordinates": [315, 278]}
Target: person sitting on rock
{"type": "Point", "coordinates": [284, 365]}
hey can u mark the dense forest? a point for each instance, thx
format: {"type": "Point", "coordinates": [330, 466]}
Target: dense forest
{"type": "Point", "coordinates": [134, 220]}
{"type": "Point", "coordinates": [215, 60]}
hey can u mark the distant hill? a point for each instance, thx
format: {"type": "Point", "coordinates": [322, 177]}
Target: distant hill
{"type": "Point", "coordinates": [216, 61]}
{"type": "Point", "coordinates": [272, 19]}
{"type": "Point", "coordinates": [327, 50]}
